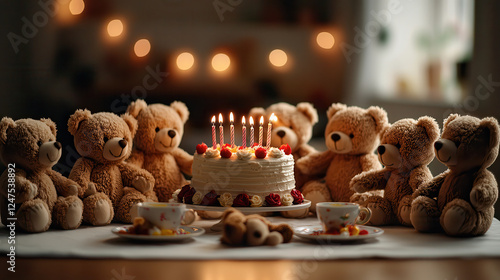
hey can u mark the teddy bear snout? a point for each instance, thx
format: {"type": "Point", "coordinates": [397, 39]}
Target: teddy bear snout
{"type": "Point", "coordinates": [49, 153]}
{"type": "Point", "coordinates": [339, 142]}
{"type": "Point", "coordinates": [284, 135]}
{"type": "Point", "coordinates": [166, 139]}
{"type": "Point", "coordinates": [335, 137]}
{"type": "Point", "coordinates": [446, 151]}
{"type": "Point", "coordinates": [389, 155]}
{"type": "Point", "coordinates": [438, 145]}
{"type": "Point", "coordinates": [172, 133]}
{"type": "Point", "coordinates": [281, 133]}
{"type": "Point", "coordinates": [381, 150]}
{"type": "Point", "coordinates": [115, 149]}
{"type": "Point", "coordinates": [58, 145]}
{"type": "Point", "coordinates": [122, 143]}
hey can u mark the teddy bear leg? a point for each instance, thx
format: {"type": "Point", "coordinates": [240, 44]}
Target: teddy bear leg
{"type": "Point", "coordinates": [34, 216]}
{"type": "Point", "coordinates": [381, 211]}
{"type": "Point", "coordinates": [424, 215]}
{"type": "Point", "coordinates": [163, 194]}
{"type": "Point", "coordinates": [127, 203]}
{"type": "Point", "coordinates": [404, 210]}
{"type": "Point", "coordinates": [459, 218]}
{"type": "Point", "coordinates": [97, 209]}
{"type": "Point", "coordinates": [316, 191]}
{"type": "Point", "coordinates": [68, 212]}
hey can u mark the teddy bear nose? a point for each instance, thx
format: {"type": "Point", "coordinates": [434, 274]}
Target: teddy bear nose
{"type": "Point", "coordinates": [58, 145]}
{"type": "Point", "coordinates": [335, 137]}
{"type": "Point", "coordinates": [381, 150]}
{"type": "Point", "coordinates": [281, 133]}
{"type": "Point", "coordinates": [122, 143]}
{"type": "Point", "coordinates": [438, 145]}
{"type": "Point", "coordinates": [171, 133]}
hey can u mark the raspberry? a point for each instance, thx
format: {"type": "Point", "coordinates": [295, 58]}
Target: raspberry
{"type": "Point", "coordinates": [225, 153]}
{"type": "Point", "coordinates": [201, 148]}
{"type": "Point", "coordinates": [286, 148]}
{"type": "Point", "coordinates": [260, 153]}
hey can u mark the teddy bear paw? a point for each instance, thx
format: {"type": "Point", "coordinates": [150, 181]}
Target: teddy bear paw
{"type": "Point", "coordinates": [30, 193]}
{"type": "Point", "coordinates": [454, 220]}
{"type": "Point", "coordinates": [36, 218]}
{"type": "Point", "coordinates": [74, 214]}
{"type": "Point", "coordinates": [102, 213]}
{"type": "Point", "coordinates": [91, 189]}
{"type": "Point", "coordinates": [72, 190]}
{"type": "Point", "coordinates": [404, 214]}
{"type": "Point", "coordinates": [357, 187]}
{"type": "Point", "coordinates": [379, 216]}
{"type": "Point", "coordinates": [142, 184]}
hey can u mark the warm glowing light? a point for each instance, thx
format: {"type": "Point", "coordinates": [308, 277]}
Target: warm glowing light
{"type": "Point", "coordinates": [185, 61]}
{"type": "Point", "coordinates": [261, 121]}
{"type": "Point", "coordinates": [213, 120]}
{"type": "Point", "coordinates": [220, 118]}
{"type": "Point", "coordinates": [142, 47]}
{"type": "Point", "coordinates": [243, 122]}
{"type": "Point", "coordinates": [231, 117]}
{"type": "Point", "coordinates": [76, 7]}
{"type": "Point", "coordinates": [250, 121]}
{"type": "Point", "coordinates": [278, 58]}
{"type": "Point", "coordinates": [273, 118]}
{"type": "Point", "coordinates": [325, 40]}
{"type": "Point", "coordinates": [220, 62]}
{"type": "Point", "coordinates": [115, 28]}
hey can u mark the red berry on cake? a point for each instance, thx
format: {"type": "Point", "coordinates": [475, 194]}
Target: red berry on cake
{"type": "Point", "coordinates": [286, 149]}
{"type": "Point", "coordinates": [188, 196]}
{"type": "Point", "coordinates": [255, 145]}
{"type": "Point", "coordinates": [298, 198]}
{"type": "Point", "coordinates": [226, 153]}
{"type": "Point", "coordinates": [226, 146]}
{"type": "Point", "coordinates": [241, 200]}
{"type": "Point", "coordinates": [273, 199]}
{"type": "Point", "coordinates": [260, 153]}
{"type": "Point", "coordinates": [201, 148]}
{"type": "Point", "coordinates": [210, 199]}
{"type": "Point", "coordinates": [183, 192]}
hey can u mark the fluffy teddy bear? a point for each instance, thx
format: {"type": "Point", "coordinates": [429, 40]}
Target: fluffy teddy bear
{"type": "Point", "coordinates": [252, 230]}
{"type": "Point", "coordinates": [156, 144]}
{"type": "Point", "coordinates": [28, 149]}
{"type": "Point", "coordinates": [461, 199]}
{"type": "Point", "coordinates": [406, 149]}
{"type": "Point", "coordinates": [293, 127]}
{"type": "Point", "coordinates": [109, 185]}
{"type": "Point", "coordinates": [351, 135]}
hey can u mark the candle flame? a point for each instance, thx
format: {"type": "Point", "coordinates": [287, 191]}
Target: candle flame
{"type": "Point", "coordinates": [220, 118]}
{"type": "Point", "coordinates": [273, 118]}
{"type": "Point", "coordinates": [251, 121]}
{"type": "Point", "coordinates": [261, 121]}
{"type": "Point", "coordinates": [231, 118]}
{"type": "Point", "coordinates": [213, 119]}
{"type": "Point", "coordinates": [243, 120]}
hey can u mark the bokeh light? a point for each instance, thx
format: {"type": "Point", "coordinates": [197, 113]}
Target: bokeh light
{"type": "Point", "coordinates": [185, 61]}
{"type": "Point", "coordinates": [278, 58]}
{"type": "Point", "coordinates": [76, 7]}
{"type": "Point", "coordinates": [142, 47]}
{"type": "Point", "coordinates": [115, 28]}
{"type": "Point", "coordinates": [325, 40]}
{"type": "Point", "coordinates": [220, 62]}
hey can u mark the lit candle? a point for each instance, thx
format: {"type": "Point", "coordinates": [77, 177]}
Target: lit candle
{"type": "Point", "coordinates": [221, 131]}
{"type": "Point", "coordinates": [261, 129]}
{"type": "Point", "coordinates": [252, 136]}
{"type": "Point", "coordinates": [214, 142]}
{"type": "Point", "coordinates": [231, 128]}
{"type": "Point", "coordinates": [243, 132]}
{"type": "Point", "coordinates": [269, 128]}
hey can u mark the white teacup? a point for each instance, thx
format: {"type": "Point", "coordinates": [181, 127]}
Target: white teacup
{"type": "Point", "coordinates": [166, 215]}
{"type": "Point", "coordinates": [336, 215]}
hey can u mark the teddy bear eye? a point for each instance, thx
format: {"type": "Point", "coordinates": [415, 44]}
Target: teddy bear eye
{"type": "Point", "coordinates": [157, 129]}
{"type": "Point", "coordinates": [39, 143]}
{"type": "Point", "coordinates": [291, 126]}
{"type": "Point", "coordinates": [105, 139]}
{"type": "Point", "coordinates": [351, 135]}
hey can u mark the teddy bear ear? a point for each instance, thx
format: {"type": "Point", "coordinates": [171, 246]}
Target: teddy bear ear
{"type": "Point", "coordinates": [5, 124]}
{"type": "Point", "coordinates": [492, 125]}
{"type": "Point", "coordinates": [76, 119]}
{"type": "Point", "coordinates": [379, 115]}
{"type": "Point", "coordinates": [131, 123]}
{"type": "Point", "coordinates": [334, 108]}
{"type": "Point", "coordinates": [449, 119]}
{"type": "Point", "coordinates": [181, 109]}
{"type": "Point", "coordinates": [309, 111]}
{"type": "Point", "coordinates": [256, 112]}
{"type": "Point", "coordinates": [136, 107]}
{"type": "Point", "coordinates": [50, 124]}
{"type": "Point", "coordinates": [431, 127]}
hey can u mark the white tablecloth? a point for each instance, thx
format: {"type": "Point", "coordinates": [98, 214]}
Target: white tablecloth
{"type": "Point", "coordinates": [396, 242]}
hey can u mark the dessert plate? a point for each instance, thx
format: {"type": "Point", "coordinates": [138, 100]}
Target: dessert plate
{"type": "Point", "coordinates": [314, 233]}
{"type": "Point", "coordinates": [190, 232]}
{"type": "Point", "coordinates": [252, 210]}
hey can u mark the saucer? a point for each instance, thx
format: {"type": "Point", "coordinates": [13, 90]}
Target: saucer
{"type": "Point", "coordinates": [252, 210]}
{"type": "Point", "coordinates": [189, 232]}
{"type": "Point", "coordinates": [315, 233]}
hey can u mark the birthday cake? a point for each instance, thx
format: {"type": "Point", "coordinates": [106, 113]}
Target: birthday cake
{"type": "Point", "coordinates": [241, 177]}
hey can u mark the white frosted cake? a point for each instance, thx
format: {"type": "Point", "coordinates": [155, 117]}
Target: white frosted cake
{"type": "Point", "coordinates": [241, 177]}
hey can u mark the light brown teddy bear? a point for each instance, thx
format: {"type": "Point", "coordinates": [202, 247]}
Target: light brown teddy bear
{"type": "Point", "coordinates": [405, 151]}
{"type": "Point", "coordinates": [293, 127]}
{"type": "Point", "coordinates": [110, 186]}
{"type": "Point", "coordinates": [252, 230]}
{"type": "Point", "coordinates": [461, 199]}
{"type": "Point", "coordinates": [29, 187]}
{"type": "Point", "coordinates": [156, 145]}
{"type": "Point", "coordinates": [351, 135]}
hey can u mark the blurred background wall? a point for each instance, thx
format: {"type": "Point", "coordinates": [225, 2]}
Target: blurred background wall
{"type": "Point", "coordinates": [413, 58]}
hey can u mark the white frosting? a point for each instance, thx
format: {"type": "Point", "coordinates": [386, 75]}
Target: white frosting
{"type": "Point", "coordinates": [226, 199]}
{"type": "Point", "coordinates": [275, 153]}
{"type": "Point", "coordinates": [256, 201]}
{"type": "Point", "coordinates": [212, 153]}
{"type": "Point", "coordinates": [197, 197]}
{"type": "Point", "coordinates": [244, 155]}
{"type": "Point", "coordinates": [175, 195]}
{"type": "Point", "coordinates": [287, 199]}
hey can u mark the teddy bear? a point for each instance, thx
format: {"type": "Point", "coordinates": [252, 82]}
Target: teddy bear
{"type": "Point", "coordinates": [252, 230]}
{"type": "Point", "coordinates": [460, 200]}
{"type": "Point", "coordinates": [156, 145]}
{"type": "Point", "coordinates": [294, 126]}
{"type": "Point", "coordinates": [405, 151]}
{"type": "Point", "coordinates": [351, 135]}
{"type": "Point", "coordinates": [109, 185]}
{"type": "Point", "coordinates": [30, 190]}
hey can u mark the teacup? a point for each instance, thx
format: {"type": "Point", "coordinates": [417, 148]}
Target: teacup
{"type": "Point", "coordinates": [336, 215]}
{"type": "Point", "coordinates": [166, 215]}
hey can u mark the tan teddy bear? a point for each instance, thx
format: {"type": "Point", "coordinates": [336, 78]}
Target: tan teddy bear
{"type": "Point", "coordinates": [461, 199]}
{"type": "Point", "coordinates": [156, 145]}
{"type": "Point", "coordinates": [405, 151]}
{"type": "Point", "coordinates": [28, 149]}
{"type": "Point", "coordinates": [110, 186]}
{"type": "Point", "coordinates": [351, 135]}
{"type": "Point", "coordinates": [293, 127]}
{"type": "Point", "coordinates": [252, 230]}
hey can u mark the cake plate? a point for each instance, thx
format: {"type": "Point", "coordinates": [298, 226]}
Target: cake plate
{"type": "Point", "coordinates": [248, 210]}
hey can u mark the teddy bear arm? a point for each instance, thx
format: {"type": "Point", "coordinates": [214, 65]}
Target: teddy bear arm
{"type": "Point", "coordinates": [131, 173]}
{"type": "Point", "coordinates": [369, 180]}
{"type": "Point", "coordinates": [484, 192]}
{"type": "Point", "coordinates": [419, 176]}
{"type": "Point", "coordinates": [305, 150]}
{"type": "Point", "coordinates": [431, 187]}
{"type": "Point", "coordinates": [64, 186]}
{"type": "Point", "coordinates": [24, 188]}
{"type": "Point", "coordinates": [136, 158]}
{"type": "Point", "coordinates": [184, 161]}
{"type": "Point", "coordinates": [80, 173]}
{"type": "Point", "coordinates": [369, 162]}
{"type": "Point", "coordinates": [315, 163]}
